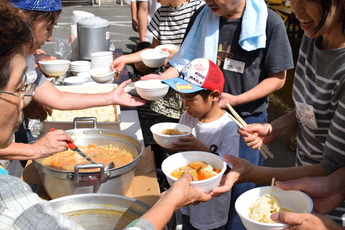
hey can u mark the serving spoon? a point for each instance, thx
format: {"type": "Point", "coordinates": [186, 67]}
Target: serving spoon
{"type": "Point", "coordinates": [73, 147]}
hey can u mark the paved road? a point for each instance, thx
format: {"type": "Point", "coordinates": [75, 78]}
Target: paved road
{"type": "Point", "coordinates": [122, 35]}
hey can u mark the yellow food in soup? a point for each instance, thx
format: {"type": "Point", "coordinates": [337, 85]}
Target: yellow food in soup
{"type": "Point", "coordinates": [172, 132]}
{"type": "Point", "coordinates": [68, 159]}
{"type": "Point", "coordinates": [199, 170]}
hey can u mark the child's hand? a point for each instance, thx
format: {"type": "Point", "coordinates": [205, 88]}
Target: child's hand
{"type": "Point", "coordinates": [189, 144]}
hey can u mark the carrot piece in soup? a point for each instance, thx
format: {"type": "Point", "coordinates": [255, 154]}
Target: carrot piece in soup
{"type": "Point", "coordinates": [56, 163]}
{"type": "Point", "coordinates": [201, 175]}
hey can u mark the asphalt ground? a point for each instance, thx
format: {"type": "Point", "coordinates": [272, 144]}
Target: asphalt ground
{"type": "Point", "coordinates": [122, 36]}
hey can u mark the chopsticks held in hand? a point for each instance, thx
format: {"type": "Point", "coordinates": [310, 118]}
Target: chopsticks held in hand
{"type": "Point", "coordinates": [241, 123]}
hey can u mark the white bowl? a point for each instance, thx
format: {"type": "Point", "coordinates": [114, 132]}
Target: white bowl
{"type": "Point", "coordinates": [295, 201]}
{"type": "Point", "coordinates": [54, 67]}
{"type": "Point", "coordinates": [166, 140]}
{"type": "Point", "coordinates": [168, 46]}
{"type": "Point", "coordinates": [130, 89]}
{"type": "Point", "coordinates": [86, 75]}
{"type": "Point", "coordinates": [184, 158]}
{"type": "Point", "coordinates": [102, 74]}
{"type": "Point", "coordinates": [154, 58]}
{"type": "Point", "coordinates": [80, 63]}
{"type": "Point", "coordinates": [75, 80]}
{"type": "Point", "coordinates": [79, 66]}
{"type": "Point", "coordinates": [101, 54]}
{"type": "Point", "coordinates": [151, 89]}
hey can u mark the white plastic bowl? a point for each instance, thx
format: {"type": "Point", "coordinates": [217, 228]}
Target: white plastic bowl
{"type": "Point", "coordinates": [184, 158]}
{"type": "Point", "coordinates": [54, 67]}
{"type": "Point", "coordinates": [130, 89]}
{"type": "Point", "coordinates": [295, 201]}
{"type": "Point", "coordinates": [102, 54]}
{"type": "Point", "coordinates": [151, 89]}
{"type": "Point", "coordinates": [79, 66]}
{"type": "Point", "coordinates": [102, 74]}
{"type": "Point", "coordinates": [86, 75]}
{"type": "Point", "coordinates": [168, 46]}
{"type": "Point", "coordinates": [154, 58]}
{"type": "Point", "coordinates": [75, 80]}
{"type": "Point", "coordinates": [166, 140]}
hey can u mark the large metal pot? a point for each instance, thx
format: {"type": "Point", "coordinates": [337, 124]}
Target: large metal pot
{"type": "Point", "coordinates": [58, 183]}
{"type": "Point", "coordinates": [100, 211]}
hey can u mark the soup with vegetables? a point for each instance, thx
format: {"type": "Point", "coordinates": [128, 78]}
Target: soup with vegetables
{"type": "Point", "coordinates": [200, 170]}
{"type": "Point", "coordinates": [68, 159]}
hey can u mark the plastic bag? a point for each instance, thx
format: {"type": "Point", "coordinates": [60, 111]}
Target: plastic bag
{"type": "Point", "coordinates": [62, 48]}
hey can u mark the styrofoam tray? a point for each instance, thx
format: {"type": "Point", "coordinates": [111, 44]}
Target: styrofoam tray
{"type": "Point", "coordinates": [66, 125]}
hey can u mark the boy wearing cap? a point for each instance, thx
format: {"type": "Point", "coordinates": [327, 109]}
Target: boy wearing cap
{"type": "Point", "coordinates": [200, 85]}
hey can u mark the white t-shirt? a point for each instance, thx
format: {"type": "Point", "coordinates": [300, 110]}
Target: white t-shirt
{"type": "Point", "coordinates": [221, 133]}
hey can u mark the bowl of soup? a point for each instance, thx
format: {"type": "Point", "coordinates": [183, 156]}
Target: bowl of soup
{"type": "Point", "coordinates": [255, 206]}
{"type": "Point", "coordinates": [165, 133]}
{"type": "Point", "coordinates": [210, 165]}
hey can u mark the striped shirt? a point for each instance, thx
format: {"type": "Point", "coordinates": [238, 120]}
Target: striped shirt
{"type": "Point", "coordinates": [169, 24]}
{"type": "Point", "coordinates": [320, 83]}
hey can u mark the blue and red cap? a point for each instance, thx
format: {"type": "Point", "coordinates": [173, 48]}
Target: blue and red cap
{"type": "Point", "coordinates": [199, 74]}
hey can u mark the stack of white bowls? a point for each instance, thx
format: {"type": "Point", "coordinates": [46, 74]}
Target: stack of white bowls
{"type": "Point", "coordinates": [101, 59]}
{"type": "Point", "coordinates": [79, 67]}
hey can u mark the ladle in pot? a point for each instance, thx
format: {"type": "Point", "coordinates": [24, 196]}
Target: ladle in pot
{"type": "Point", "coordinates": [75, 148]}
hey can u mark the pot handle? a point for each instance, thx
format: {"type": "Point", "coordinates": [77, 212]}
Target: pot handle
{"type": "Point", "coordinates": [88, 166]}
{"type": "Point", "coordinates": [77, 119]}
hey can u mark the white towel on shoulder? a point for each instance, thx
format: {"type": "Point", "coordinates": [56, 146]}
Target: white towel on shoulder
{"type": "Point", "coordinates": [202, 40]}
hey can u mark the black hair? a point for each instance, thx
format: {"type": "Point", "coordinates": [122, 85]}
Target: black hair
{"type": "Point", "coordinates": [15, 37]}
{"type": "Point", "coordinates": [203, 93]}
{"type": "Point", "coordinates": [325, 6]}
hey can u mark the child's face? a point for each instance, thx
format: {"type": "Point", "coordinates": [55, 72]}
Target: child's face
{"type": "Point", "coordinates": [195, 104]}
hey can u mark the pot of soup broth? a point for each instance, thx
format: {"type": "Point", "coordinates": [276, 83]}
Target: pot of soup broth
{"type": "Point", "coordinates": [68, 173]}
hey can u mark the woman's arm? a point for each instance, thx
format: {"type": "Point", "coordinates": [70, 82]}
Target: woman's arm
{"type": "Point", "coordinates": [48, 95]}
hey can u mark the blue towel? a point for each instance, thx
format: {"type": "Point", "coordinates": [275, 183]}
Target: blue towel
{"type": "Point", "coordinates": [253, 34]}
{"type": "Point", "coordinates": [201, 41]}
{"type": "Point", "coordinates": [206, 25]}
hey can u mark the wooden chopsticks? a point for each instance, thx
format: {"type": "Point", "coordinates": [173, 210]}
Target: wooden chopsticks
{"type": "Point", "coordinates": [241, 123]}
